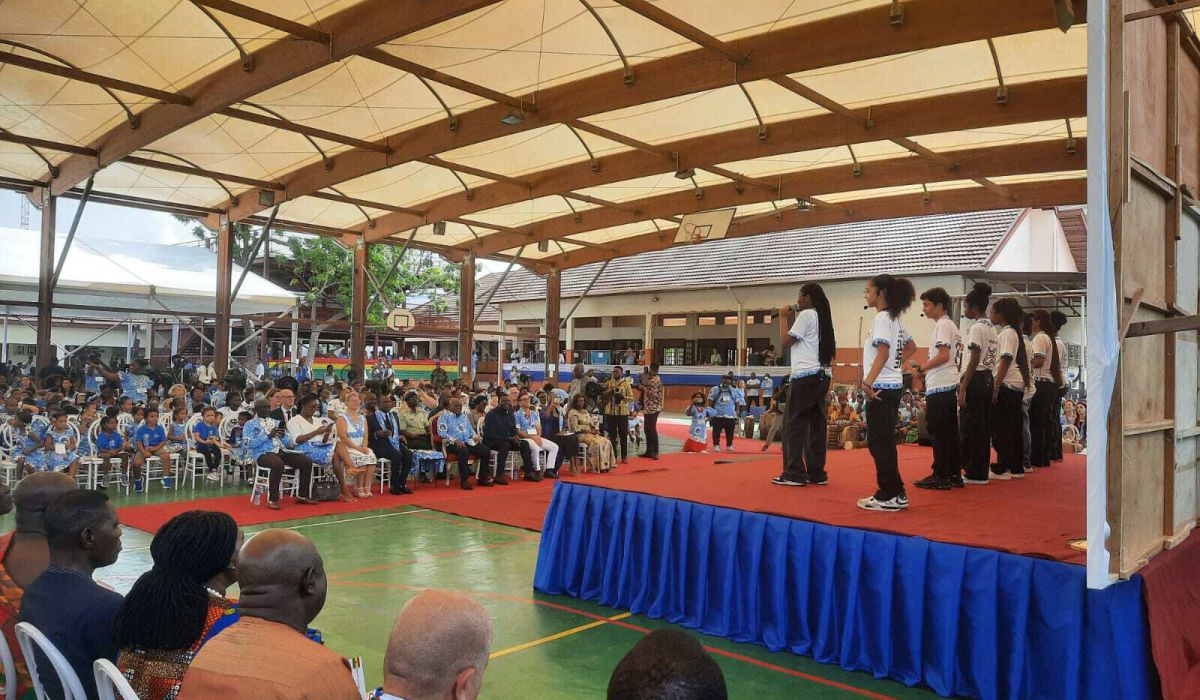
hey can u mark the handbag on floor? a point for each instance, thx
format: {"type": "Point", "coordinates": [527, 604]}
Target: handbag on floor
{"type": "Point", "coordinates": [326, 490]}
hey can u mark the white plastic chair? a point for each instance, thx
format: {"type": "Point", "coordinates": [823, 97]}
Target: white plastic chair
{"type": "Point", "coordinates": [226, 428]}
{"type": "Point", "coordinates": [111, 683]}
{"type": "Point", "coordinates": [11, 440]}
{"type": "Point", "coordinates": [194, 462]}
{"type": "Point", "coordinates": [30, 637]}
{"type": "Point", "coordinates": [10, 670]}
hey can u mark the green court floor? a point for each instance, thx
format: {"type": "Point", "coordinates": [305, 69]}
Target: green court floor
{"type": "Point", "coordinates": [543, 646]}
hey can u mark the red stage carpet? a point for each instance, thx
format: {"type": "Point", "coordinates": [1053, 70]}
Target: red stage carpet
{"type": "Point", "coordinates": [1173, 606]}
{"type": "Point", "coordinates": [1034, 516]}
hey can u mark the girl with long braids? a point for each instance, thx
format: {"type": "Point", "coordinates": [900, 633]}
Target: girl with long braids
{"type": "Point", "coordinates": [180, 603]}
{"type": "Point", "coordinates": [940, 375]}
{"type": "Point", "coordinates": [1058, 319]}
{"type": "Point", "coordinates": [812, 345]}
{"type": "Point", "coordinates": [886, 350]}
{"type": "Point", "coordinates": [1008, 391]}
{"type": "Point", "coordinates": [975, 387]}
{"type": "Point", "coordinates": [1047, 376]}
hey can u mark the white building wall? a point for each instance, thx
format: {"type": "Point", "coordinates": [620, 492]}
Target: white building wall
{"type": "Point", "coordinates": [1036, 244]}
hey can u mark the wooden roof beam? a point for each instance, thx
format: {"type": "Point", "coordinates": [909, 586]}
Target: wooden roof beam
{"type": "Point", "coordinates": [380, 56]}
{"type": "Point", "coordinates": [83, 76]}
{"type": "Point", "coordinates": [995, 161]}
{"type": "Point", "coordinates": [818, 44]}
{"type": "Point", "coordinates": [201, 172]}
{"type": "Point", "coordinates": [1039, 101]}
{"type": "Point", "coordinates": [10, 137]}
{"type": "Point", "coordinates": [367, 204]}
{"type": "Point", "coordinates": [1034, 194]}
{"type": "Point", "coordinates": [237, 9]}
{"type": "Point", "coordinates": [693, 34]}
{"type": "Point", "coordinates": [285, 125]}
{"type": "Point", "coordinates": [354, 29]}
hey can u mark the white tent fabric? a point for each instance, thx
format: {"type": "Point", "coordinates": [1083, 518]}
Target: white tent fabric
{"type": "Point", "coordinates": [130, 276]}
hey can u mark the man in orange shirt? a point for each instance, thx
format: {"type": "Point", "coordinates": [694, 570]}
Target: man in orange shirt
{"type": "Point", "coordinates": [267, 655]}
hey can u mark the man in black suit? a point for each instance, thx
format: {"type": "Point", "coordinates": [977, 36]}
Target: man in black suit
{"type": "Point", "coordinates": [385, 440]}
{"type": "Point", "coordinates": [287, 406]}
{"type": "Point", "coordinates": [500, 436]}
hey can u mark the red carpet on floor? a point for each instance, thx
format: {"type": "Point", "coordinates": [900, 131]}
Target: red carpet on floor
{"type": "Point", "coordinates": [1033, 516]}
{"type": "Point", "coordinates": [1173, 607]}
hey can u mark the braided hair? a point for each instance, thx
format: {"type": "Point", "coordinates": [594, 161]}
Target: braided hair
{"type": "Point", "coordinates": [826, 343]}
{"type": "Point", "coordinates": [1010, 311]}
{"type": "Point", "coordinates": [167, 606]}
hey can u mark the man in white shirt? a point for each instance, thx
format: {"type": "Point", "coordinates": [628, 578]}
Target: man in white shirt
{"type": "Point", "coordinates": [438, 649]}
{"type": "Point", "coordinates": [753, 387]}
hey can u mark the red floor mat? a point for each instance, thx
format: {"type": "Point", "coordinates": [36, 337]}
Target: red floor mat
{"type": "Point", "coordinates": [1173, 606]}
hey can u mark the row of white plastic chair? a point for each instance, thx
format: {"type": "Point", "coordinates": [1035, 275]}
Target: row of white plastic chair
{"type": "Point", "coordinates": [110, 683]}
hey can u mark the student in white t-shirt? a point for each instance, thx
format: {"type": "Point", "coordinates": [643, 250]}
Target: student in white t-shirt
{"type": "Point", "coordinates": [885, 352]}
{"type": "Point", "coordinates": [1047, 376]}
{"type": "Point", "coordinates": [975, 387]}
{"type": "Point", "coordinates": [939, 372]}
{"type": "Point", "coordinates": [811, 345]}
{"type": "Point", "coordinates": [1058, 319]}
{"type": "Point", "coordinates": [1008, 390]}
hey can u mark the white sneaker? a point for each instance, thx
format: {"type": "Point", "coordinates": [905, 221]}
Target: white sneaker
{"type": "Point", "coordinates": [716, 448]}
{"type": "Point", "coordinates": [213, 476]}
{"type": "Point", "coordinates": [977, 482]}
{"type": "Point", "coordinates": [890, 505]}
{"type": "Point", "coordinates": [1001, 477]}
{"type": "Point", "coordinates": [729, 449]}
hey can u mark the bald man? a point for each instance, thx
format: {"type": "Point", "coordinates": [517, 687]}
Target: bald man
{"type": "Point", "coordinates": [266, 655]}
{"type": "Point", "coordinates": [438, 649]}
{"type": "Point", "coordinates": [24, 553]}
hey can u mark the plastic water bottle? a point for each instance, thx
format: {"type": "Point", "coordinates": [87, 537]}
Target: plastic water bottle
{"type": "Point", "coordinates": [256, 497]}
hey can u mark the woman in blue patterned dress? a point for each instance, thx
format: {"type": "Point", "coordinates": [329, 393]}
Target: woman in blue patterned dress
{"type": "Point", "coordinates": [61, 446]}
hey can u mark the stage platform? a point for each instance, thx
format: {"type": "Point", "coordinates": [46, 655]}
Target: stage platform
{"type": "Point", "coordinates": [972, 592]}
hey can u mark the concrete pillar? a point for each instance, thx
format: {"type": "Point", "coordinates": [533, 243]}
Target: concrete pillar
{"type": "Point", "coordinates": [466, 318]}
{"type": "Point", "coordinates": [358, 309]}
{"type": "Point", "coordinates": [740, 357]}
{"type": "Point", "coordinates": [571, 359]}
{"type": "Point", "coordinates": [45, 349]}
{"type": "Point", "coordinates": [175, 337]}
{"type": "Point", "coordinates": [553, 311]}
{"type": "Point", "coordinates": [648, 341]}
{"type": "Point", "coordinates": [4, 343]}
{"type": "Point", "coordinates": [129, 341]}
{"type": "Point", "coordinates": [224, 284]}
{"type": "Point", "coordinates": [295, 352]}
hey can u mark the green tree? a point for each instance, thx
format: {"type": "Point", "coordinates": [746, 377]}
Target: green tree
{"type": "Point", "coordinates": [244, 237]}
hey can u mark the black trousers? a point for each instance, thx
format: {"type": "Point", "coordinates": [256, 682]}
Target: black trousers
{"type": "Point", "coordinates": [502, 447]}
{"type": "Point", "coordinates": [1010, 443]}
{"type": "Point", "coordinates": [276, 462]}
{"type": "Point", "coordinates": [568, 447]}
{"type": "Point", "coordinates": [752, 401]}
{"type": "Point", "coordinates": [725, 425]}
{"type": "Point", "coordinates": [463, 452]}
{"type": "Point", "coordinates": [617, 427]}
{"type": "Point", "coordinates": [651, 434]}
{"type": "Point", "coordinates": [882, 414]}
{"type": "Point", "coordinates": [1042, 424]}
{"type": "Point", "coordinates": [400, 461]}
{"type": "Point", "coordinates": [941, 414]}
{"type": "Point", "coordinates": [1056, 426]}
{"type": "Point", "coordinates": [804, 430]}
{"type": "Point", "coordinates": [212, 456]}
{"type": "Point", "coordinates": [975, 427]}
{"type": "Point", "coordinates": [418, 442]}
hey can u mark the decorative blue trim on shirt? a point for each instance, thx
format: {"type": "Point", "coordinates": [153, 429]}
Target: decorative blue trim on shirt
{"type": "Point", "coordinates": [797, 337]}
{"type": "Point", "coordinates": [876, 342]}
{"type": "Point", "coordinates": [887, 385]}
{"type": "Point", "coordinates": [941, 390]}
{"type": "Point", "coordinates": [805, 373]}
{"type": "Point", "coordinates": [941, 344]}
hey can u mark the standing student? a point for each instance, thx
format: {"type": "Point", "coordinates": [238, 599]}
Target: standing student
{"type": "Point", "coordinates": [1047, 376]}
{"type": "Point", "coordinates": [618, 394]}
{"type": "Point", "coordinates": [727, 400]}
{"type": "Point", "coordinates": [940, 375]}
{"type": "Point", "coordinates": [700, 414]}
{"type": "Point", "coordinates": [1008, 390]}
{"type": "Point", "coordinates": [885, 352]}
{"type": "Point", "coordinates": [975, 387]}
{"type": "Point", "coordinates": [1059, 319]}
{"type": "Point", "coordinates": [811, 344]}
{"type": "Point", "coordinates": [652, 404]}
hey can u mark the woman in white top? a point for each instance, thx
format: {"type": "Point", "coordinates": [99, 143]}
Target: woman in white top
{"type": "Point", "coordinates": [1008, 392]}
{"type": "Point", "coordinates": [939, 372]}
{"type": "Point", "coordinates": [1058, 319]}
{"type": "Point", "coordinates": [313, 435]}
{"type": "Point", "coordinates": [975, 387]}
{"type": "Point", "coordinates": [886, 350]}
{"type": "Point", "coordinates": [352, 444]}
{"type": "Point", "coordinates": [1047, 375]}
{"type": "Point", "coordinates": [811, 343]}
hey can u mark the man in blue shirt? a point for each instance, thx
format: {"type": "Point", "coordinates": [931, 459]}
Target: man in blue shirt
{"type": "Point", "coordinates": [74, 612]}
{"type": "Point", "coordinates": [150, 440]}
{"type": "Point", "coordinates": [459, 439]}
{"type": "Point", "coordinates": [727, 400]}
{"type": "Point", "coordinates": [134, 383]}
{"type": "Point", "coordinates": [385, 440]}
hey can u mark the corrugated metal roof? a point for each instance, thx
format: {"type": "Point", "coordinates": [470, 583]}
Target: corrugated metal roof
{"type": "Point", "coordinates": [1074, 226]}
{"type": "Point", "coordinates": [483, 284]}
{"type": "Point", "coordinates": [951, 243]}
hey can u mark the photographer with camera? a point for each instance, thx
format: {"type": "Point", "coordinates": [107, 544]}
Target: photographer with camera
{"type": "Point", "coordinates": [617, 396]}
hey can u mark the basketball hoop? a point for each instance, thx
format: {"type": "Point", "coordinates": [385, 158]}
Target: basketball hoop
{"type": "Point", "coordinates": [704, 226]}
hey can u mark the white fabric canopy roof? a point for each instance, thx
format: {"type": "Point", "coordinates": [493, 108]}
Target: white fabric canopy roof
{"type": "Point", "coordinates": [129, 276]}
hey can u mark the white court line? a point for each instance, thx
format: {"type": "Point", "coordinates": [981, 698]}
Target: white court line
{"type": "Point", "coordinates": [297, 527]}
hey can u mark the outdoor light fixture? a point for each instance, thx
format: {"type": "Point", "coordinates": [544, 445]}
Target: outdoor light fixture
{"type": "Point", "coordinates": [687, 174]}
{"type": "Point", "coordinates": [439, 228]}
{"type": "Point", "coordinates": [543, 246]}
{"type": "Point", "coordinates": [512, 119]}
{"type": "Point", "coordinates": [266, 198]}
{"type": "Point", "coordinates": [803, 204]}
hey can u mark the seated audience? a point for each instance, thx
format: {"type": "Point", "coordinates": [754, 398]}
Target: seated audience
{"type": "Point", "coordinates": [74, 612]}
{"type": "Point", "coordinates": [500, 436]}
{"type": "Point", "coordinates": [386, 440]}
{"type": "Point", "coordinates": [179, 604]}
{"type": "Point", "coordinates": [267, 654]}
{"type": "Point", "coordinates": [667, 664]}
{"type": "Point", "coordinates": [438, 649]}
{"type": "Point", "coordinates": [459, 438]}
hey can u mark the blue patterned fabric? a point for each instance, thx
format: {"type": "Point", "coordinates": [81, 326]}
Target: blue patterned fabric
{"type": "Point", "coordinates": [965, 621]}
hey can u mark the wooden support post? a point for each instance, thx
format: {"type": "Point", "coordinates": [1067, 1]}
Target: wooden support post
{"type": "Point", "coordinates": [45, 349]}
{"type": "Point", "coordinates": [358, 310]}
{"type": "Point", "coordinates": [466, 316]}
{"type": "Point", "coordinates": [648, 341]}
{"type": "Point", "coordinates": [1174, 220]}
{"type": "Point", "coordinates": [224, 288]}
{"type": "Point", "coordinates": [553, 323]}
{"type": "Point", "coordinates": [1118, 177]}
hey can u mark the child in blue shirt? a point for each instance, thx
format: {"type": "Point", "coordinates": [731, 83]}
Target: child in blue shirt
{"type": "Point", "coordinates": [697, 441]}
{"type": "Point", "coordinates": [177, 435]}
{"type": "Point", "coordinates": [207, 437]}
{"type": "Point", "coordinates": [110, 445]}
{"type": "Point", "coordinates": [150, 440]}
{"type": "Point", "coordinates": [61, 446]}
